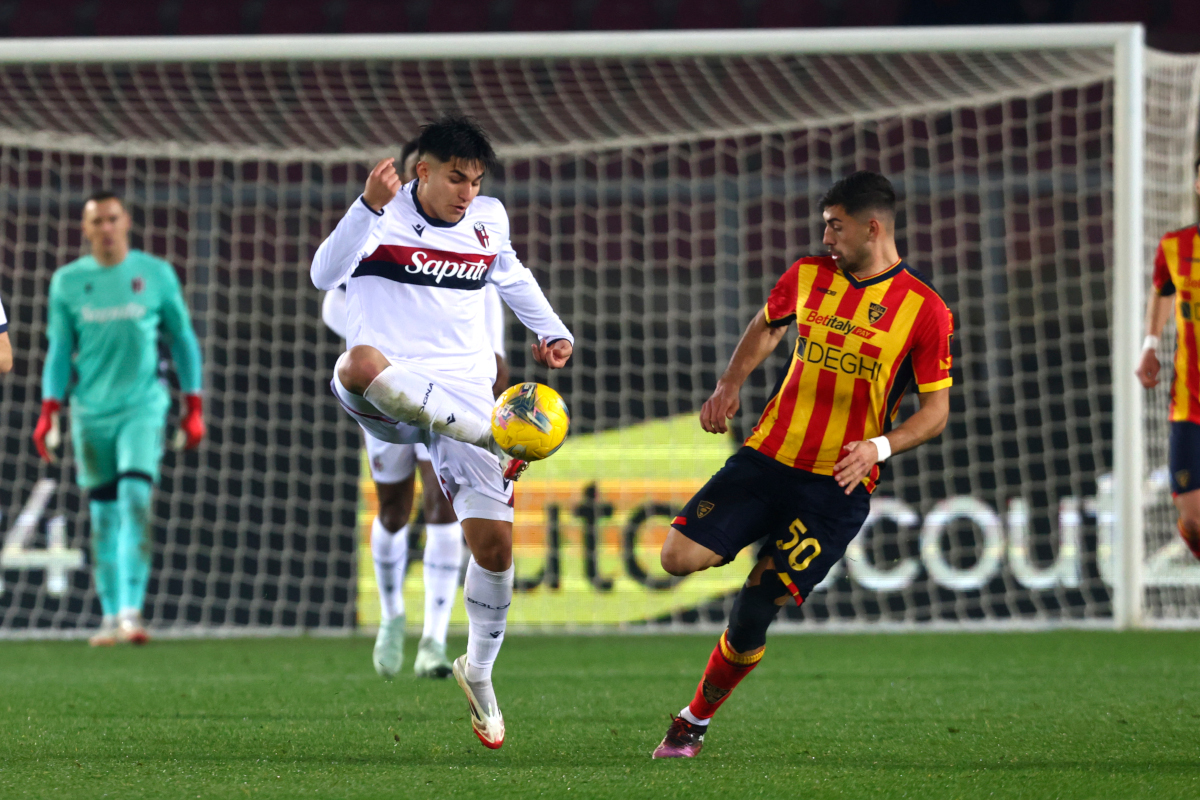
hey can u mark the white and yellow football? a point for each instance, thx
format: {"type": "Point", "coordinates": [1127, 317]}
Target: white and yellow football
{"type": "Point", "coordinates": [530, 421]}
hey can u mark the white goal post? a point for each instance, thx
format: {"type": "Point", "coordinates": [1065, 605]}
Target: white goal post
{"type": "Point", "coordinates": [659, 182]}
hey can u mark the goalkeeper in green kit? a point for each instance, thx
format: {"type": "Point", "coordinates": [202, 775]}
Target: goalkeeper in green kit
{"type": "Point", "coordinates": [106, 311]}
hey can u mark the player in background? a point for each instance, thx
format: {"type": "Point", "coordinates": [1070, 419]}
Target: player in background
{"type": "Point", "coordinates": [395, 478]}
{"type": "Point", "coordinates": [6, 355]}
{"type": "Point", "coordinates": [868, 328]}
{"type": "Point", "coordinates": [419, 367]}
{"type": "Point", "coordinates": [106, 313]}
{"type": "Point", "coordinates": [1177, 286]}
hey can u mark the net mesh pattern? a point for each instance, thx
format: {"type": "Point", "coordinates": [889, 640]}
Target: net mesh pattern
{"type": "Point", "coordinates": [657, 201]}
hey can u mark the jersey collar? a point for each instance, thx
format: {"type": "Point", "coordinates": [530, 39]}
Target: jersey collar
{"type": "Point", "coordinates": [887, 274]}
{"type": "Point", "coordinates": [434, 221]}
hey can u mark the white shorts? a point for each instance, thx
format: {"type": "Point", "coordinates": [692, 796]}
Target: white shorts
{"type": "Point", "coordinates": [393, 463]}
{"type": "Point", "coordinates": [470, 476]}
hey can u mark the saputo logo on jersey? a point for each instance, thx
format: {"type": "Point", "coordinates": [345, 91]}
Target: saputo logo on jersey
{"type": "Point", "coordinates": [426, 267]}
{"type": "Point", "coordinates": [132, 311]}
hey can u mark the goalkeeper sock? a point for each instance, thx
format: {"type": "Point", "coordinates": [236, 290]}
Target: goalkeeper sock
{"type": "Point", "coordinates": [133, 545]}
{"type": "Point", "coordinates": [443, 553]}
{"type": "Point", "coordinates": [106, 529]}
{"type": "Point", "coordinates": [724, 672]}
{"type": "Point", "coordinates": [390, 553]}
{"type": "Point", "coordinates": [411, 399]}
{"type": "Point", "coordinates": [487, 596]}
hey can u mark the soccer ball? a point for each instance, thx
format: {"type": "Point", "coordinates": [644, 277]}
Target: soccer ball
{"type": "Point", "coordinates": [530, 421]}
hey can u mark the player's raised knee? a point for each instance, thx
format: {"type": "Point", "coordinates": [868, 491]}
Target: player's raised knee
{"type": "Point", "coordinates": [1190, 524]}
{"type": "Point", "coordinates": [359, 366]}
{"type": "Point", "coordinates": [681, 556]}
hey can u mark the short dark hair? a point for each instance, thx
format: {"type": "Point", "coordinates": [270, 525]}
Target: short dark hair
{"type": "Point", "coordinates": [457, 136]}
{"type": "Point", "coordinates": [409, 147]}
{"type": "Point", "coordinates": [101, 195]}
{"type": "Point", "coordinates": [862, 191]}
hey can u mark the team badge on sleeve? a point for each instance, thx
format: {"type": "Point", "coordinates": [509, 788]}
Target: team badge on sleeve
{"type": "Point", "coordinates": [481, 233]}
{"type": "Point", "coordinates": [703, 509]}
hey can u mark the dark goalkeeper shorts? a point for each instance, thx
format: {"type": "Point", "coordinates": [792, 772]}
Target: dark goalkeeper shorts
{"type": "Point", "coordinates": [808, 519]}
{"type": "Point", "coordinates": [1183, 457]}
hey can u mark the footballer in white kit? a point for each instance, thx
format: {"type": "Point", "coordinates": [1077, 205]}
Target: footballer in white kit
{"type": "Point", "coordinates": [392, 470]}
{"type": "Point", "coordinates": [419, 367]}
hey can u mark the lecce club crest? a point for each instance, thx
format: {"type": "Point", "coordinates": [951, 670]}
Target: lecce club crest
{"type": "Point", "coordinates": [875, 312]}
{"type": "Point", "coordinates": [704, 508]}
{"type": "Point", "coordinates": [481, 234]}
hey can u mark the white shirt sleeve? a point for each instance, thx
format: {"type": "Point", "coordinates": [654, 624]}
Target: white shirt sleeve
{"type": "Point", "coordinates": [352, 239]}
{"type": "Point", "coordinates": [520, 291]}
{"type": "Point", "coordinates": [333, 311]}
{"type": "Point", "coordinates": [4, 318]}
{"type": "Point", "coordinates": [493, 319]}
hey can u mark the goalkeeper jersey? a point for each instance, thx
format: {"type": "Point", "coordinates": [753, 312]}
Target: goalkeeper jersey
{"type": "Point", "coordinates": [1175, 273]}
{"type": "Point", "coordinates": [861, 345]}
{"type": "Point", "coordinates": [104, 325]}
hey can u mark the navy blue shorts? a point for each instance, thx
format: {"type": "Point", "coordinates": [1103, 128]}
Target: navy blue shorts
{"type": "Point", "coordinates": [1184, 457]}
{"type": "Point", "coordinates": [808, 519]}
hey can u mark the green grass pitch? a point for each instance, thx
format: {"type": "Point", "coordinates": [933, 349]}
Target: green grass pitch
{"type": "Point", "coordinates": [1038, 715]}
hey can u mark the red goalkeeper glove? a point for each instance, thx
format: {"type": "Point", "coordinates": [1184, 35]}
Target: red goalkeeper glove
{"type": "Point", "coordinates": [191, 428]}
{"type": "Point", "coordinates": [46, 436]}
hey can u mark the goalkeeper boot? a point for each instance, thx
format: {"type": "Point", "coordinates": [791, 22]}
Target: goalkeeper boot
{"type": "Point", "coordinates": [107, 635]}
{"type": "Point", "coordinates": [431, 660]}
{"type": "Point", "coordinates": [683, 740]}
{"type": "Point", "coordinates": [486, 719]}
{"type": "Point", "coordinates": [130, 628]}
{"type": "Point", "coordinates": [389, 648]}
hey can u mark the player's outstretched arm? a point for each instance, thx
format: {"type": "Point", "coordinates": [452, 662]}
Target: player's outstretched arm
{"type": "Point", "coordinates": [6, 356]}
{"type": "Point", "coordinates": [859, 457]}
{"type": "Point", "coordinates": [1158, 311]}
{"type": "Point", "coordinates": [339, 253]}
{"type": "Point", "coordinates": [520, 292]}
{"type": "Point", "coordinates": [757, 342]}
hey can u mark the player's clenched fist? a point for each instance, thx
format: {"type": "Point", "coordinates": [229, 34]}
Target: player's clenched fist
{"type": "Point", "coordinates": [382, 184]}
{"type": "Point", "coordinates": [723, 404]}
{"type": "Point", "coordinates": [1147, 371]}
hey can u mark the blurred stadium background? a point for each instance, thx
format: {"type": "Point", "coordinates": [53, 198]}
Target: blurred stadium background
{"type": "Point", "coordinates": [656, 199]}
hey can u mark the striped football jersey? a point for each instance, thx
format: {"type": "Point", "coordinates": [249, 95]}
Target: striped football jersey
{"type": "Point", "coordinates": [1175, 273]}
{"type": "Point", "coordinates": [861, 344]}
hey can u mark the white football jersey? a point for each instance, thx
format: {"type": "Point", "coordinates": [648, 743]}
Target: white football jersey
{"type": "Point", "coordinates": [333, 314]}
{"type": "Point", "coordinates": [414, 284]}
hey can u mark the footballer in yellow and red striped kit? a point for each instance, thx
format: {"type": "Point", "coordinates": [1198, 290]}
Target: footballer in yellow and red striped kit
{"type": "Point", "coordinates": [861, 344]}
{"type": "Point", "coordinates": [1177, 291]}
{"type": "Point", "coordinates": [869, 328]}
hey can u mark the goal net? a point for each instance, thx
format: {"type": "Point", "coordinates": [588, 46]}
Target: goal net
{"type": "Point", "coordinates": [658, 185]}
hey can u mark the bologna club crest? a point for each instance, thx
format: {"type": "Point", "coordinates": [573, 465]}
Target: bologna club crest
{"type": "Point", "coordinates": [481, 234]}
{"type": "Point", "coordinates": [138, 284]}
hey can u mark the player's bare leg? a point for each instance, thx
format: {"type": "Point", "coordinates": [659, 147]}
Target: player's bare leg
{"type": "Point", "coordinates": [487, 594]}
{"type": "Point", "coordinates": [1188, 506]}
{"type": "Point", "coordinates": [681, 556]}
{"type": "Point", "coordinates": [389, 551]}
{"type": "Point", "coordinates": [408, 397]}
{"type": "Point", "coordinates": [443, 557]}
{"type": "Point", "coordinates": [737, 653]}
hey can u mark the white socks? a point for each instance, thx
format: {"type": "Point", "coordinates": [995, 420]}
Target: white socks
{"type": "Point", "coordinates": [443, 553]}
{"type": "Point", "coordinates": [390, 553]}
{"type": "Point", "coordinates": [487, 596]}
{"type": "Point", "coordinates": [692, 718]}
{"type": "Point", "coordinates": [423, 404]}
